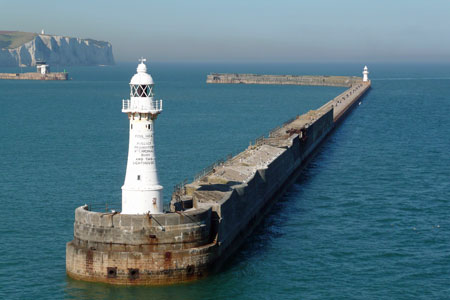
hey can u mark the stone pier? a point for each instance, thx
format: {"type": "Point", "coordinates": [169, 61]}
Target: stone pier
{"type": "Point", "coordinates": [35, 76]}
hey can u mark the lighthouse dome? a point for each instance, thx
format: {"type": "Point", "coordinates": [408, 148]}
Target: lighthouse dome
{"type": "Point", "coordinates": [142, 77]}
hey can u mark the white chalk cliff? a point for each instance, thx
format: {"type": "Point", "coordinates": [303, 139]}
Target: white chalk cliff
{"type": "Point", "coordinates": [58, 50]}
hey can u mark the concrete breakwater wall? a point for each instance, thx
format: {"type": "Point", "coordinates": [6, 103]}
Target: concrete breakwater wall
{"type": "Point", "coordinates": [34, 76]}
{"type": "Point", "coordinates": [239, 189]}
{"type": "Point", "coordinates": [210, 217]}
{"type": "Point", "coordinates": [345, 81]}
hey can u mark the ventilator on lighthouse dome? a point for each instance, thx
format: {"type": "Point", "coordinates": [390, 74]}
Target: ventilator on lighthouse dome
{"type": "Point", "coordinates": [365, 74]}
{"type": "Point", "coordinates": [141, 192]}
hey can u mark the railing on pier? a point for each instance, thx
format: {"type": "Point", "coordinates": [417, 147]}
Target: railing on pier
{"type": "Point", "coordinates": [179, 188]}
{"type": "Point", "coordinates": [259, 140]}
{"type": "Point", "coordinates": [209, 169]}
{"type": "Point", "coordinates": [272, 132]}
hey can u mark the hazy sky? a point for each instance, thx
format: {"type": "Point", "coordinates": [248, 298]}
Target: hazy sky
{"type": "Point", "coordinates": [253, 31]}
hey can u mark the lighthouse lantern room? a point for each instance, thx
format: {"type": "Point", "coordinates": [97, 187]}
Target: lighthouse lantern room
{"type": "Point", "coordinates": [141, 192]}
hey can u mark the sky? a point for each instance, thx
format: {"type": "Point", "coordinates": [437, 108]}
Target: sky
{"type": "Point", "coordinates": [247, 31]}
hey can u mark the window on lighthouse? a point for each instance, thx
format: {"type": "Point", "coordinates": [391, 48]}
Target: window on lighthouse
{"type": "Point", "coordinates": [140, 90]}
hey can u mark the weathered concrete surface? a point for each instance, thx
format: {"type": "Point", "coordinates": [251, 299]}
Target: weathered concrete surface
{"type": "Point", "coordinates": [345, 81]}
{"type": "Point", "coordinates": [140, 249]}
{"type": "Point", "coordinates": [34, 76]}
{"type": "Point", "coordinates": [347, 99]}
{"type": "Point", "coordinates": [210, 218]}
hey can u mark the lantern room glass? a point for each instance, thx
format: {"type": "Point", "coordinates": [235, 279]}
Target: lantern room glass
{"type": "Point", "coordinates": [141, 90]}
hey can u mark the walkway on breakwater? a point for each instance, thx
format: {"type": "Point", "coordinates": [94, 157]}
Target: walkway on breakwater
{"type": "Point", "coordinates": [35, 76]}
{"type": "Point", "coordinates": [345, 81]}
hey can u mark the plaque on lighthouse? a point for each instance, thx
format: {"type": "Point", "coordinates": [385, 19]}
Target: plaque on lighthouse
{"type": "Point", "coordinates": [141, 192]}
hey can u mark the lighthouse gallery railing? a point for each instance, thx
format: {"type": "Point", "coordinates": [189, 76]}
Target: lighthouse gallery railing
{"type": "Point", "coordinates": [152, 106]}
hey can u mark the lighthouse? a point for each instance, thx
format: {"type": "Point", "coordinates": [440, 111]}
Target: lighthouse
{"type": "Point", "coordinates": [141, 192]}
{"type": "Point", "coordinates": [365, 74]}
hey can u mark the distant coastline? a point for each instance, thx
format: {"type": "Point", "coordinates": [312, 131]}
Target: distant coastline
{"type": "Point", "coordinates": [25, 49]}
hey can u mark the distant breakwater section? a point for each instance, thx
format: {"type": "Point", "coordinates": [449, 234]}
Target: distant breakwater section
{"type": "Point", "coordinates": [340, 81]}
{"type": "Point", "coordinates": [35, 76]}
{"type": "Point", "coordinates": [58, 50]}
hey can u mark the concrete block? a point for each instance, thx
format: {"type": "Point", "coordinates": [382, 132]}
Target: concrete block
{"type": "Point", "coordinates": [171, 219]}
{"type": "Point", "coordinates": [138, 221]}
{"type": "Point", "coordinates": [124, 221]}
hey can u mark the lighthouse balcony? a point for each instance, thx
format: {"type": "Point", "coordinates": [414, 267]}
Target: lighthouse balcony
{"type": "Point", "coordinates": [152, 107]}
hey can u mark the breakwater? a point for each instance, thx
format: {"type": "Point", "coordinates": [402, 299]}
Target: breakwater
{"type": "Point", "coordinates": [210, 217]}
{"type": "Point", "coordinates": [35, 76]}
{"type": "Point", "coordinates": [345, 81]}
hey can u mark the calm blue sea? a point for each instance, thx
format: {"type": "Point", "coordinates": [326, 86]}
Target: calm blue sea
{"type": "Point", "coordinates": [368, 219]}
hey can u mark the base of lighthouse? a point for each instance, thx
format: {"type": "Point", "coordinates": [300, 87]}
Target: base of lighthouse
{"type": "Point", "coordinates": [140, 249]}
{"type": "Point", "coordinates": [136, 201]}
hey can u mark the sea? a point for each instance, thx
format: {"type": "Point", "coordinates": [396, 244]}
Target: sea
{"type": "Point", "coordinates": [369, 218]}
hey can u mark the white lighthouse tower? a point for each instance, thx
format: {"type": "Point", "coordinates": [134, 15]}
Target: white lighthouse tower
{"type": "Point", "coordinates": [141, 192]}
{"type": "Point", "coordinates": [365, 74]}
